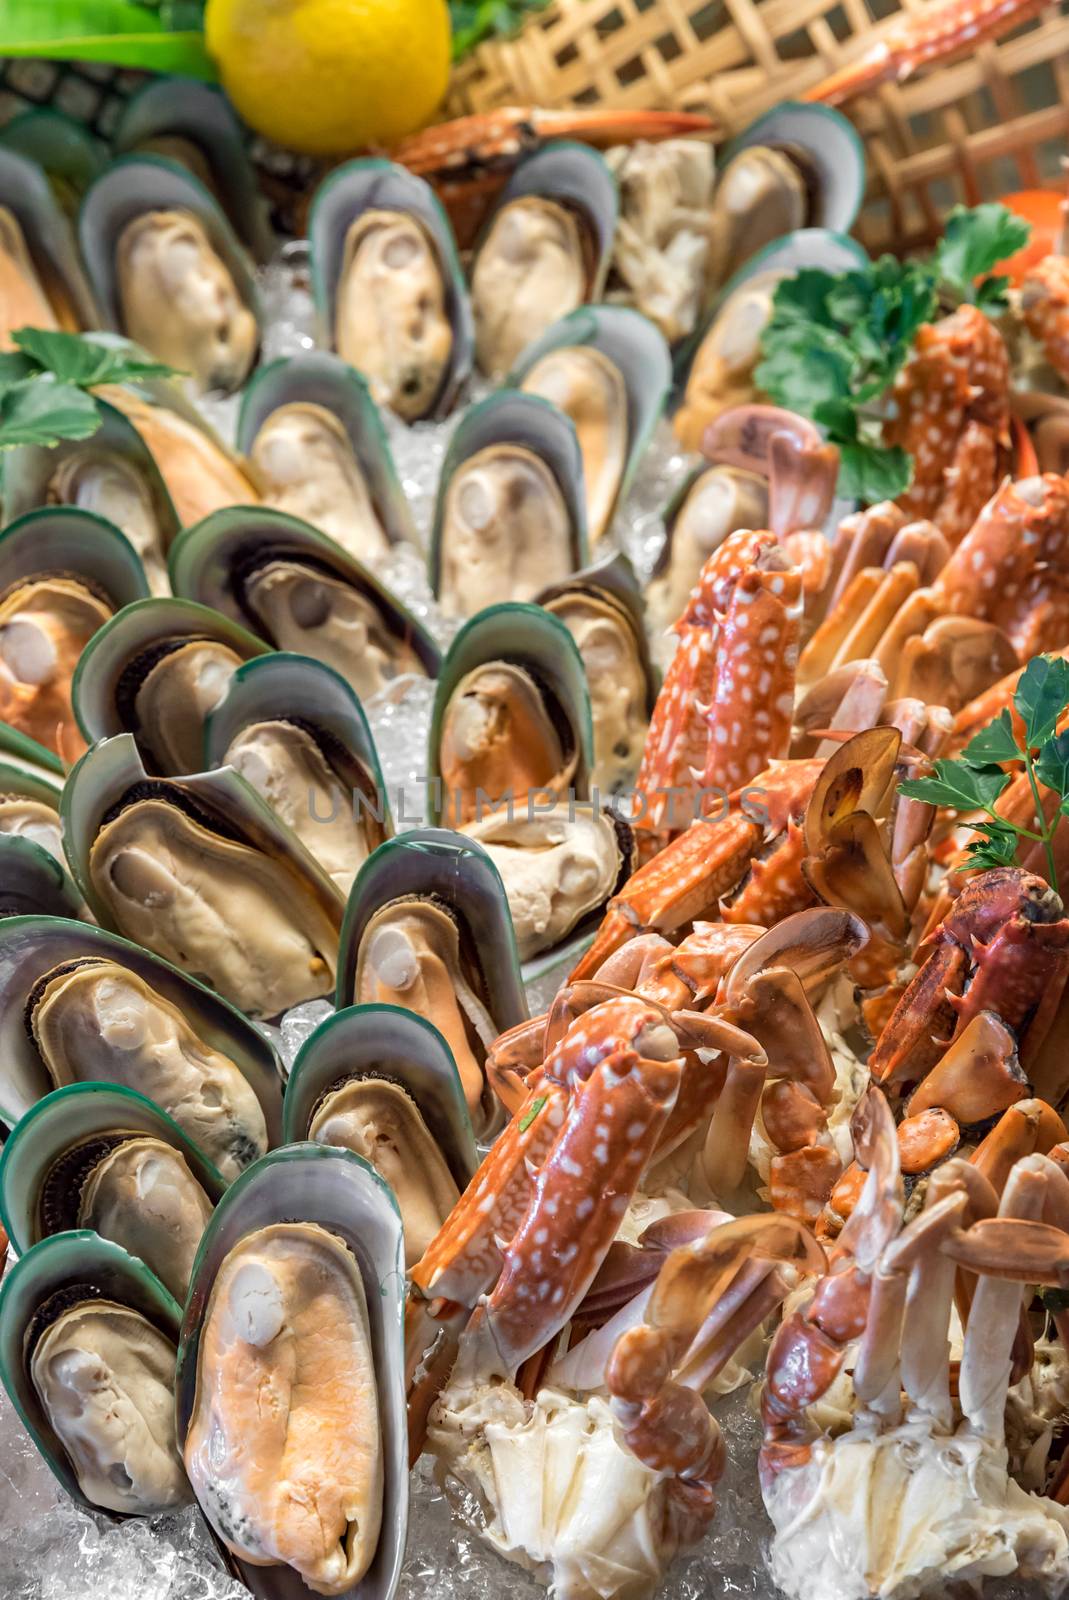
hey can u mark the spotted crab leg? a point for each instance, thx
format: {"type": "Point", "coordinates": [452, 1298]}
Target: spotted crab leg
{"type": "Point", "coordinates": [935, 33]}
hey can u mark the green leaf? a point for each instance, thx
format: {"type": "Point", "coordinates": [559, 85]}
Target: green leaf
{"type": "Point", "coordinates": [996, 742]}
{"type": "Point", "coordinates": [13, 369]}
{"type": "Point", "coordinates": [42, 411]}
{"type": "Point", "coordinates": [1041, 696]}
{"type": "Point", "coordinates": [529, 1116]}
{"type": "Point", "coordinates": [1052, 765]}
{"type": "Point", "coordinates": [955, 784]}
{"type": "Point", "coordinates": [992, 296]}
{"type": "Point", "coordinates": [476, 20]}
{"type": "Point", "coordinates": [85, 361]}
{"type": "Point", "coordinates": [118, 31]}
{"type": "Point", "coordinates": [873, 472]}
{"type": "Point", "coordinates": [974, 241]}
{"type": "Point", "coordinates": [996, 848]}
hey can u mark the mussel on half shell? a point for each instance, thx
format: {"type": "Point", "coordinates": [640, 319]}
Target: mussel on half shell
{"type": "Point", "coordinates": [303, 593]}
{"type": "Point", "coordinates": [545, 250]}
{"type": "Point", "coordinates": [510, 513]}
{"type": "Point", "coordinates": [88, 1343]}
{"type": "Point", "coordinates": [320, 451]}
{"type": "Point", "coordinates": [388, 286]}
{"type": "Point", "coordinates": [169, 271]}
{"type": "Point", "coordinates": [299, 1290]}
{"type": "Point", "coordinates": [200, 871]}
{"type": "Point", "coordinates": [382, 1082]}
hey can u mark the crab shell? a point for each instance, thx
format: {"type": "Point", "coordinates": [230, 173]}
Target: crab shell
{"type": "Point", "coordinates": [157, 670]}
{"type": "Point", "coordinates": [304, 1202]}
{"type": "Point", "coordinates": [42, 282]}
{"type": "Point", "coordinates": [428, 929]}
{"type": "Point", "coordinates": [610, 370]}
{"type": "Point", "coordinates": [202, 868]}
{"type": "Point", "coordinates": [195, 125]}
{"type": "Point", "coordinates": [510, 507]}
{"type": "Point", "coordinates": [302, 592]}
{"type": "Point", "coordinates": [317, 440]}
{"type": "Point", "coordinates": [717, 365]}
{"type": "Point", "coordinates": [136, 1464]}
{"type": "Point", "coordinates": [102, 1157]}
{"type": "Point", "coordinates": [296, 732]}
{"type": "Point", "coordinates": [544, 251]}
{"type": "Point", "coordinates": [413, 319]}
{"type": "Point", "coordinates": [603, 611]}
{"type": "Point", "coordinates": [383, 1083]}
{"type": "Point", "coordinates": [511, 715]}
{"type": "Point", "coordinates": [168, 270]}
{"type": "Point", "coordinates": [112, 475]}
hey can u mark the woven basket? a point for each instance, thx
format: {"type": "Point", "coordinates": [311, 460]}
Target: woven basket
{"type": "Point", "coordinates": [969, 131]}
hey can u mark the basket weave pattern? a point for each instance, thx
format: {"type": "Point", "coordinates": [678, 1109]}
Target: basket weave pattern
{"type": "Point", "coordinates": [995, 121]}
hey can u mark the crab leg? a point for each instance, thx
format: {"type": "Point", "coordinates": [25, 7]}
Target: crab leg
{"type": "Point", "coordinates": [936, 33]}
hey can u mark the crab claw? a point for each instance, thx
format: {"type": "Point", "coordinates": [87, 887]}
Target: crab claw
{"type": "Point", "coordinates": [787, 450]}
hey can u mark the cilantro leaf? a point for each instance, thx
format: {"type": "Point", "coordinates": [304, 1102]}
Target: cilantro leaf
{"type": "Point", "coordinates": [87, 362]}
{"type": "Point", "coordinates": [1041, 696]}
{"type": "Point", "coordinates": [996, 846]}
{"type": "Point", "coordinates": [954, 784]}
{"type": "Point", "coordinates": [39, 410]}
{"type": "Point", "coordinates": [996, 742]}
{"type": "Point", "coordinates": [873, 472]}
{"type": "Point", "coordinates": [14, 368]}
{"type": "Point", "coordinates": [974, 241]}
{"type": "Point", "coordinates": [1052, 764]}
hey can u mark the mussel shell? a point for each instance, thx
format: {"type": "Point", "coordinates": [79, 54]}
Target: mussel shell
{"type": "Point", "coordinates": [527, 637]}
{"type": "Point", "coordinates": [78, 544]}
{"type": "Point", "coordinates": [828, 149]}
{"type": "Point", "coordinates": [19, 751]}
{"type": "Point", "coordinates": [26, 193]}
{"type": "Point", "coordinates": [640, 353]}
{"type": "Point", "coordinates": [62, 147]}
{"type": "Point", "coordinates": [380, 1041]}
{"type": "Point", "coordinates": [612, 579]}
{"type": "Point", "coordinates": [317, 378]}
{"type": "Point", "coordinates": [132, 186]}
{"type": "Point", "coordinates": [511, 417]}
{"type": "Point", "coordinates": [291, 688]}
{"type": "Point", "coordinates": [376, 185]}
{"type": "Point", "coordinates": [31, 947]}
{"type": "Point", "coordinates": [338, 1191]}
{"type": "Point", "coordinates": [72, 1116]}
{"type": "Point", "coordinates": [33, 881]}
{"type": "Point", "coordinates": [437, 863]}
{"type": "Point", "coordinates": [63, 1270]}
{"type": "Point", "coordinates": [29, 470]}
{"type": "Point", "coordinates": [113, 767]}
{"type": "Point", "coordinates": [578, 177]}
{"type": "Point", "coordinates": [195, 112]}
{"type": "Point", "coordinates": [209, 560]}
{"type": "Point", "coordinates": [102, 691]}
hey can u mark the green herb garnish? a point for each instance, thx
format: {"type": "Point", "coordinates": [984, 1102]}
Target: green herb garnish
{"type": "Point", "coordinates": [974, 780]}
{"type": "Point", "coordinates": [836, 342]}
{"type": "Point", "coordinates": [44, 384]}
{"type": "Point", "coordinates": [529, 1116]}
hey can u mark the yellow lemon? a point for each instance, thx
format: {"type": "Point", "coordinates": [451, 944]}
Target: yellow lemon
{"type": "Point", "coordinates": [330, 76]}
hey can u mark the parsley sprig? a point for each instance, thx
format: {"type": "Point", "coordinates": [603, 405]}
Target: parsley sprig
{"type": "Point", "coordinates": [45, 383]}
{"type": "Point", "coordinates": [991, 760]}
{"type": "Point", "coordinates": [836, 342]}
